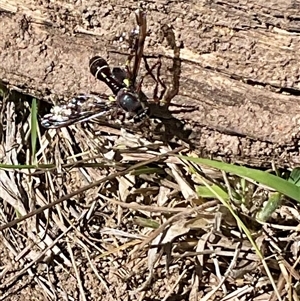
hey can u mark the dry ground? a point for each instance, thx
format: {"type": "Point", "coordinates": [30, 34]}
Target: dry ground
{"type": "Point", "coordinates": [129, 222]}
{"type": "Point", "coordinates": [116, 216]}
{"type": "Point", "coordinates": [239, 82]}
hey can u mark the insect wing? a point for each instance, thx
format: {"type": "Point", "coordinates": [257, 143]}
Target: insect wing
{"type": "Point", "coordinates": [81, 108]}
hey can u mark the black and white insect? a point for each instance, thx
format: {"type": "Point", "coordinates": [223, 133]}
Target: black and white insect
{"type": "Point", "coordinates": [122, 82]}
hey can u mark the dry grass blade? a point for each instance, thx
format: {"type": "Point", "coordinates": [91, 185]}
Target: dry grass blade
{"type": "Point", "coordinates": [128, 219]}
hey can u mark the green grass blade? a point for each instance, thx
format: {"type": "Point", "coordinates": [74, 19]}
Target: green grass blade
{"type": "Point", "coordinates": [295, 176]}
{"type": "Point", "coordinates": [205, 193]}
{"type": "Point", "coordinates": [34, 125]}
{"type": "Point", "coordinates": [271, 205]}
{"type": "Point", "coordinates": [285, 187]}
{"type": "Point", "coordinates": [27, 166]}
{"type": "Point", "coordinates": [247, 232]}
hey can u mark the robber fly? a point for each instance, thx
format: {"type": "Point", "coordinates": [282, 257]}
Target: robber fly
{"type": "Point", "coordinates": [123, 84]}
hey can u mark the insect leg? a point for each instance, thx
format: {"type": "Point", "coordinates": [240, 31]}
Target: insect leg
{"type": "Point", "coordinates": [149, 71]}
{"type": "Point", "coordinates": [136, 44]}
{"type": "Point", "coordinates": [142, 23]}
{"type": "Point", "coordinates": [171, 92]}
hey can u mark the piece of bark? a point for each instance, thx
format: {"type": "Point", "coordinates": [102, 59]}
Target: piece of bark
{"type": "Point", "coordinates": [239, 82]}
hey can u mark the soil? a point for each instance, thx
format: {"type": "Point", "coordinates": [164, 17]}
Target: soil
{"type": "Point", "coordinates": [239, 88]}
{"type": "Point", "coordinates": [239, 65]}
